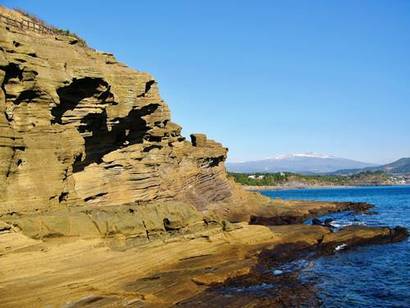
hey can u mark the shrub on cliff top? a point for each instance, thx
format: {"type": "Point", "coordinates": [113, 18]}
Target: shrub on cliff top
{"type": "Point", "coordinates": [39, 21]}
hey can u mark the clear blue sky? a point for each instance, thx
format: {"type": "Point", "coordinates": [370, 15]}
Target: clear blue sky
{"type": "Point", "coordinates": [265, 77]}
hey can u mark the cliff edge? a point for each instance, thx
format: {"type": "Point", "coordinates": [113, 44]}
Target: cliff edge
{"type": "Point", "coordinates": [79, 128]}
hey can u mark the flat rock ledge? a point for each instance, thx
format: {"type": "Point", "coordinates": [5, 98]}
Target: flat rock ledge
{"type": "Point", "coordinates": [184, 269]}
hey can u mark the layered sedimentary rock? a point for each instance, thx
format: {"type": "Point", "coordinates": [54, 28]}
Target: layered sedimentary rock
{"type": "Point", "coordinates": [87, 273]}
{"type": "Point", "coordinates": [79, 128]}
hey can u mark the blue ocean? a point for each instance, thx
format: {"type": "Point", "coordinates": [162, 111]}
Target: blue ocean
{"type": "Point", "coordinates": [370, 276]}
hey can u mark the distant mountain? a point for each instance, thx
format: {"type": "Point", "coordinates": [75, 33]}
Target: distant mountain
{"type": "Point", "coordinates": [306, 163]}
{"type": "Point", "coordinates": [401, 166]}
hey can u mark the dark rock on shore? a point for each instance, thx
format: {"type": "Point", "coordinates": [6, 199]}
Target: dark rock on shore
{"type": "Point", "coordinates": [352, 236]}
{"type": "Point", "coordinates": [276, 220]}
{"type": "Point", "coordinates": [296, 212]}
{"type": "Point", "coordinates": [326, 223]}
{"type": "Point", "coordinates": [262, 288]}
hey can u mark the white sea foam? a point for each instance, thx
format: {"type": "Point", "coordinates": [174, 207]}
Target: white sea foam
{"type": "Point", "coordinates": [340, 247]}
{"type": "Point", "coordinates": [340, 224]}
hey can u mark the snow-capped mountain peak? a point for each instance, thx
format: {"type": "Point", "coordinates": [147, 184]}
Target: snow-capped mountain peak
{"type": "Point", "coordinates": [308, 154]}
{"type": "Point", "coordinates": [300, 163]}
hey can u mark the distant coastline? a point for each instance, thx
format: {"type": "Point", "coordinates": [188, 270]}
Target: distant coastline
{"type": "Point", "coordinates": [291, 187]}
{"type": "Point", "coordinates": [288, 180]}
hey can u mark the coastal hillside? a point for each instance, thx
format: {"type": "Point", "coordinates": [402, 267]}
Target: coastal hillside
{"type": "Point", "coordinates": [398, 167]}
{"type": "Point", "coordinates": [306, 163]}
{"type": "Point", "coordinates": [288, 179]}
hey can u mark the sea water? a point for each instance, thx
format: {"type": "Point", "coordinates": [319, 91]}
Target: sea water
{"type": "Point", "coordinates": [368, 276]}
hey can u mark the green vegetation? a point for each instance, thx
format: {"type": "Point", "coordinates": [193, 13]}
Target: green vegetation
{"type": "Point", "coordinates": [39, 21]}
{"type": "Point", "coordinates": [288, 178]}
{"type": "Point", "coordinates": [33, 18]}
{"type": "Point", "coordinates": [72, 34]}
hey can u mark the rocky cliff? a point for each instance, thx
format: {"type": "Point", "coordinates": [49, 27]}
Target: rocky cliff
{"type": "Point", "coordinates": [79, 128]}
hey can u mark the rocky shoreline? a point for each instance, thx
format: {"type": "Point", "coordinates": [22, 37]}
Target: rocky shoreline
{"type": "Point", "coordinates": [266, 287]}
{"type": "Point", "coordinates": [185, 269]}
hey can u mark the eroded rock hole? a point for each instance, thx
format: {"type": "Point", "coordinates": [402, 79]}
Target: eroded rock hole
{"type": "Point", "coordinates": [128, 130]}
{"type": "Point", "coordinates": [99, 139]}
{"type": "Point", "coordinates": [62, 197]}
{"type": "Point", "coordinates": [214, 161]}
{"type": "Point", "coordinates": [167, 224]}
{"type": "Point", "coordinates": [91, 198]}
{"type": "Point", "coordinates": [12, 71]}
{"type": "Point", "coordinates": [148, 86]}
{"type": "Point", "coordinates": [75, 92]}
{"type": "Point", "coordinates": [27, 96]}
{"type": "Point", "coordinates": [152, 147]}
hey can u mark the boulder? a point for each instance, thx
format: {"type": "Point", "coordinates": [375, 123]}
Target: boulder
{"type": "Point", "coordinates": [198, 140]}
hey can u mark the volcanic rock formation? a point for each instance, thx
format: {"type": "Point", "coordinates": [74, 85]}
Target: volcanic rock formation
{"type": "Point", "coordinates": [79, 128]}
{"type": "Point", "coordinates": [87, 145]}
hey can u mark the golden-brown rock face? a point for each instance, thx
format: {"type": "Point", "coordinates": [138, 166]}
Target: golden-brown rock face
{"type": "Point", "coordinates": [79, 128]}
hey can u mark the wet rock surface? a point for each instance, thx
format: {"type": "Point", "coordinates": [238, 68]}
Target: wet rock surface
{"type": "Point", "coordinates": [274, 281]}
